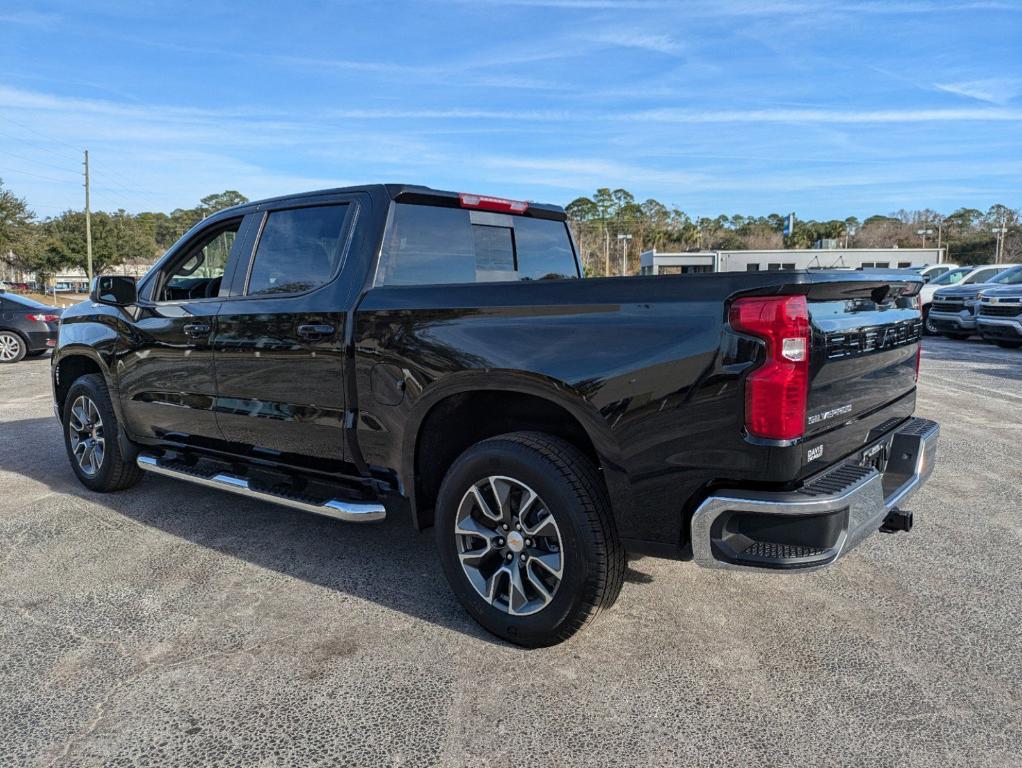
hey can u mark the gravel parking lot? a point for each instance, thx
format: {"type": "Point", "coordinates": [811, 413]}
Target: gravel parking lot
{"type": "Point", "coordinates": [174, 625]}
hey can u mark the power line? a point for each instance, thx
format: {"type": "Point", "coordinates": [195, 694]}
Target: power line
{"type": "Point", "coordinates": [32, 160]}
{"type": "Point", "coordinates": [36, 175]}
{"type": "Point", "coordinates": [37, 131]}
{"type": "Point", "coordinates": [111, 176]}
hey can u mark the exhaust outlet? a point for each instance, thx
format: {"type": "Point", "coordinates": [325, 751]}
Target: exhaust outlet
{"type": "Point", "coordinates": [897, 520]}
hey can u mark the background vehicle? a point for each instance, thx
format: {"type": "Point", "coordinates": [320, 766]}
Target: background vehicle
{"type": "Point", "coordinates": [933, 271]}
{"type": "Point", "coordinates": [965, 275]}
{"type": "Point", "coordinates": [370, 350]}
{"type": "Point", "coordinates": [1000, 310]}
{"type": "Point", "coordinates": [27, 327]}
{"type": "Point", "coordinates": [954, 309]}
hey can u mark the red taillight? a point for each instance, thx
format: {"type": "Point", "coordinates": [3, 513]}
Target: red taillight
{"type": "Point", "coordinates": [43, 318]}
{"type": "Point", "coordinates": [484, 203]}
{"type": "Point", "coordinates": [919, 355]}
{"type": "Point", "coordinates": [776, 392]}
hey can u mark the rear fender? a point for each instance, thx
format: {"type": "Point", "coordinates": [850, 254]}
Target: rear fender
{"type": "Point", "coordinates": [558, 393]}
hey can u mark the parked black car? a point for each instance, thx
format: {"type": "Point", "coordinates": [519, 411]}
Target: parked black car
{"type": "Point", "coordinates": [397, 349]}
{"type": "Point", "coordinates": [27, 327]}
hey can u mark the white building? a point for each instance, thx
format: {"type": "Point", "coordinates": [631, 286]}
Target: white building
{"type": "Point", "coordinates": [69, 278]}
{"type": "Point", "coordinates": [657, 263]}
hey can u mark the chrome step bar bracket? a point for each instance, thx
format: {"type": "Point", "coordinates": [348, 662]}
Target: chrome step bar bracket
{"type": "Point", "coordinates": [339, 509]}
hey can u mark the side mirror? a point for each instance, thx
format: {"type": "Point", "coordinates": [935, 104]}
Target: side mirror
{"type": "Point", "coordinates": [116, 290]}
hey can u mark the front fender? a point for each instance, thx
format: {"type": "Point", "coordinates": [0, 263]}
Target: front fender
{"type": "Point", "coordinates": [95, 341]}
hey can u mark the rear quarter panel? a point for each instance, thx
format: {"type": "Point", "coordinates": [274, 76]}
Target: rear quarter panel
{"type": "Point", "coordinates": [647, 365]}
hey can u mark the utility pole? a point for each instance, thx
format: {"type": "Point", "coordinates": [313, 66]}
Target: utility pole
{"type": "Point", "coordinates": [624, 250]}
{"type": "Point", "coordinates": [88, 224]}
{"type": "Point", "coordinates": [1000, 232]}
{"type": "Point", "coordinates": [606, 250]}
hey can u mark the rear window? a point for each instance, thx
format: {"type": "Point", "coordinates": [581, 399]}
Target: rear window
{"type": "Point", "coordinates": [429, 245]}
{"type": "Point", "coordinates": [25, 301]}
{"type": "Point", "coordinates": [300, 249]}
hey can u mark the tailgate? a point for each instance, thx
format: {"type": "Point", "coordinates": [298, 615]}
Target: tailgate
{"type": "Point", "coordinates": [865, 340]}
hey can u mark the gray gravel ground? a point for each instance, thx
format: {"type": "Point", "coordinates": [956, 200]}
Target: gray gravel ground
{"type": "Point", "coordinates": [170, 625]}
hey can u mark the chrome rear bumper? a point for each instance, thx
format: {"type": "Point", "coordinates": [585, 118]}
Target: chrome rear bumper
{"type": "Point", "coordinates": [813, 526]}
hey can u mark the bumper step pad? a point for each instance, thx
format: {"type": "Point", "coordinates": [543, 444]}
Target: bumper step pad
{"type": "Point", "coordinates": [812, 526]}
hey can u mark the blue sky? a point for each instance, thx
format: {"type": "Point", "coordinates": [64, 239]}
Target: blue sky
{"type": "Point", "coordinates": [826, 108]}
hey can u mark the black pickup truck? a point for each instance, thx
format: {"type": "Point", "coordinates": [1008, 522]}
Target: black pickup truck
{"type": "Point", "coordinates": [394, 349]}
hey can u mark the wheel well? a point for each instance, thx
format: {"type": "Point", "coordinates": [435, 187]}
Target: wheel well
{"type": "Point", "coordinates": [69, 369]}
{"type": "Point", "coordinates": [460, 421]}
{"type": "Point", "coordinates": [17, 333]}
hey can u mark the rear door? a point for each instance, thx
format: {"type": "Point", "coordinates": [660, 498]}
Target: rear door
{"type": "Point", "coordinates": [280, 341]}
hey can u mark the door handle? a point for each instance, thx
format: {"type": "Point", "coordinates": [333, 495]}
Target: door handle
{"type": "Point", "coordinates": [314, 331]}
{"type": "Point", "coordinates": [197, 329]}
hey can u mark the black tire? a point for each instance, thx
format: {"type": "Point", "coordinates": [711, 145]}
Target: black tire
{"type": "Point", "coordinates": [958, 336]}
{"type": "Point", "coordinates": [928, 330]}
{"type": "Point", "coordinates": [1009, 344]}
{"type": "Point", "coordinates": [113, 472]}
{"type": "Point", "coordinates": [12, 347]}
{"type": "Point", "coordinates": [570, 487]}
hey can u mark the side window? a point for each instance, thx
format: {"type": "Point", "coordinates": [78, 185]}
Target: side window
{"type": "Point", "coordinates": [199, 273]}
{"type": "Point", "coordinates": [982, 276]}
{"type": "Point", "coordinates": [544, 249]}
{"type": "Point", "coordinates": [299, 249]}
{"type": "Point", "coordinates": [426, 245]}
{"type": "Point", "coordinates": [430, 245]}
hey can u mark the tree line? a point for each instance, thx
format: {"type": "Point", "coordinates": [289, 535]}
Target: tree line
{"type": "Point", "coordinates": [45, 247]}
{"type": "Point", "coordinates": [597, 221]}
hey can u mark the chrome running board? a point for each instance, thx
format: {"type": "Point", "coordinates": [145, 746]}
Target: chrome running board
{"type": "Point", "coordinates": [349, 511]}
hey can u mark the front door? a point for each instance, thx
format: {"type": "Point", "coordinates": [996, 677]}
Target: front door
{"type": "Point", "coordinates": [165, 376]}
{"type": "Point", "coordinates": [279, 343]}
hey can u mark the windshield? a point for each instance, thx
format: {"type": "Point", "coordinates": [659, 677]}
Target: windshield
{"type": "Point", "coordinates": [27, 302]}
{"type": "Point", "coordinates": [950, 278]}
{"type": "Point", "coordinates": [1011, 276]}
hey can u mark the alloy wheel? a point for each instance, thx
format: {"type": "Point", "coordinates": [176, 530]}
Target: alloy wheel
{"type": "Point", "coordinates": [509, 545]}
{"type": "Point", "coordinates": [10, 347]}
{"type": "Point", "coordinates": [85, 430]}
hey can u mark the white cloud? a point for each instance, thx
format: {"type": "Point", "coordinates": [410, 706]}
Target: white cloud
{"type": "Point", "coordinates": [646, 41]}
{"type": "Point", "coordinates": [30, 18]}
{"type": "Point", "coordinates": [765, 7]}
{"type": "Point", "coordinates": [825, 116]}
{"type": "Point", "coordinates": [993, 90]}
{"type": "Point", "coordinates": [151, 156]}
{"type": "Point", "coordinates": [580, 4]}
